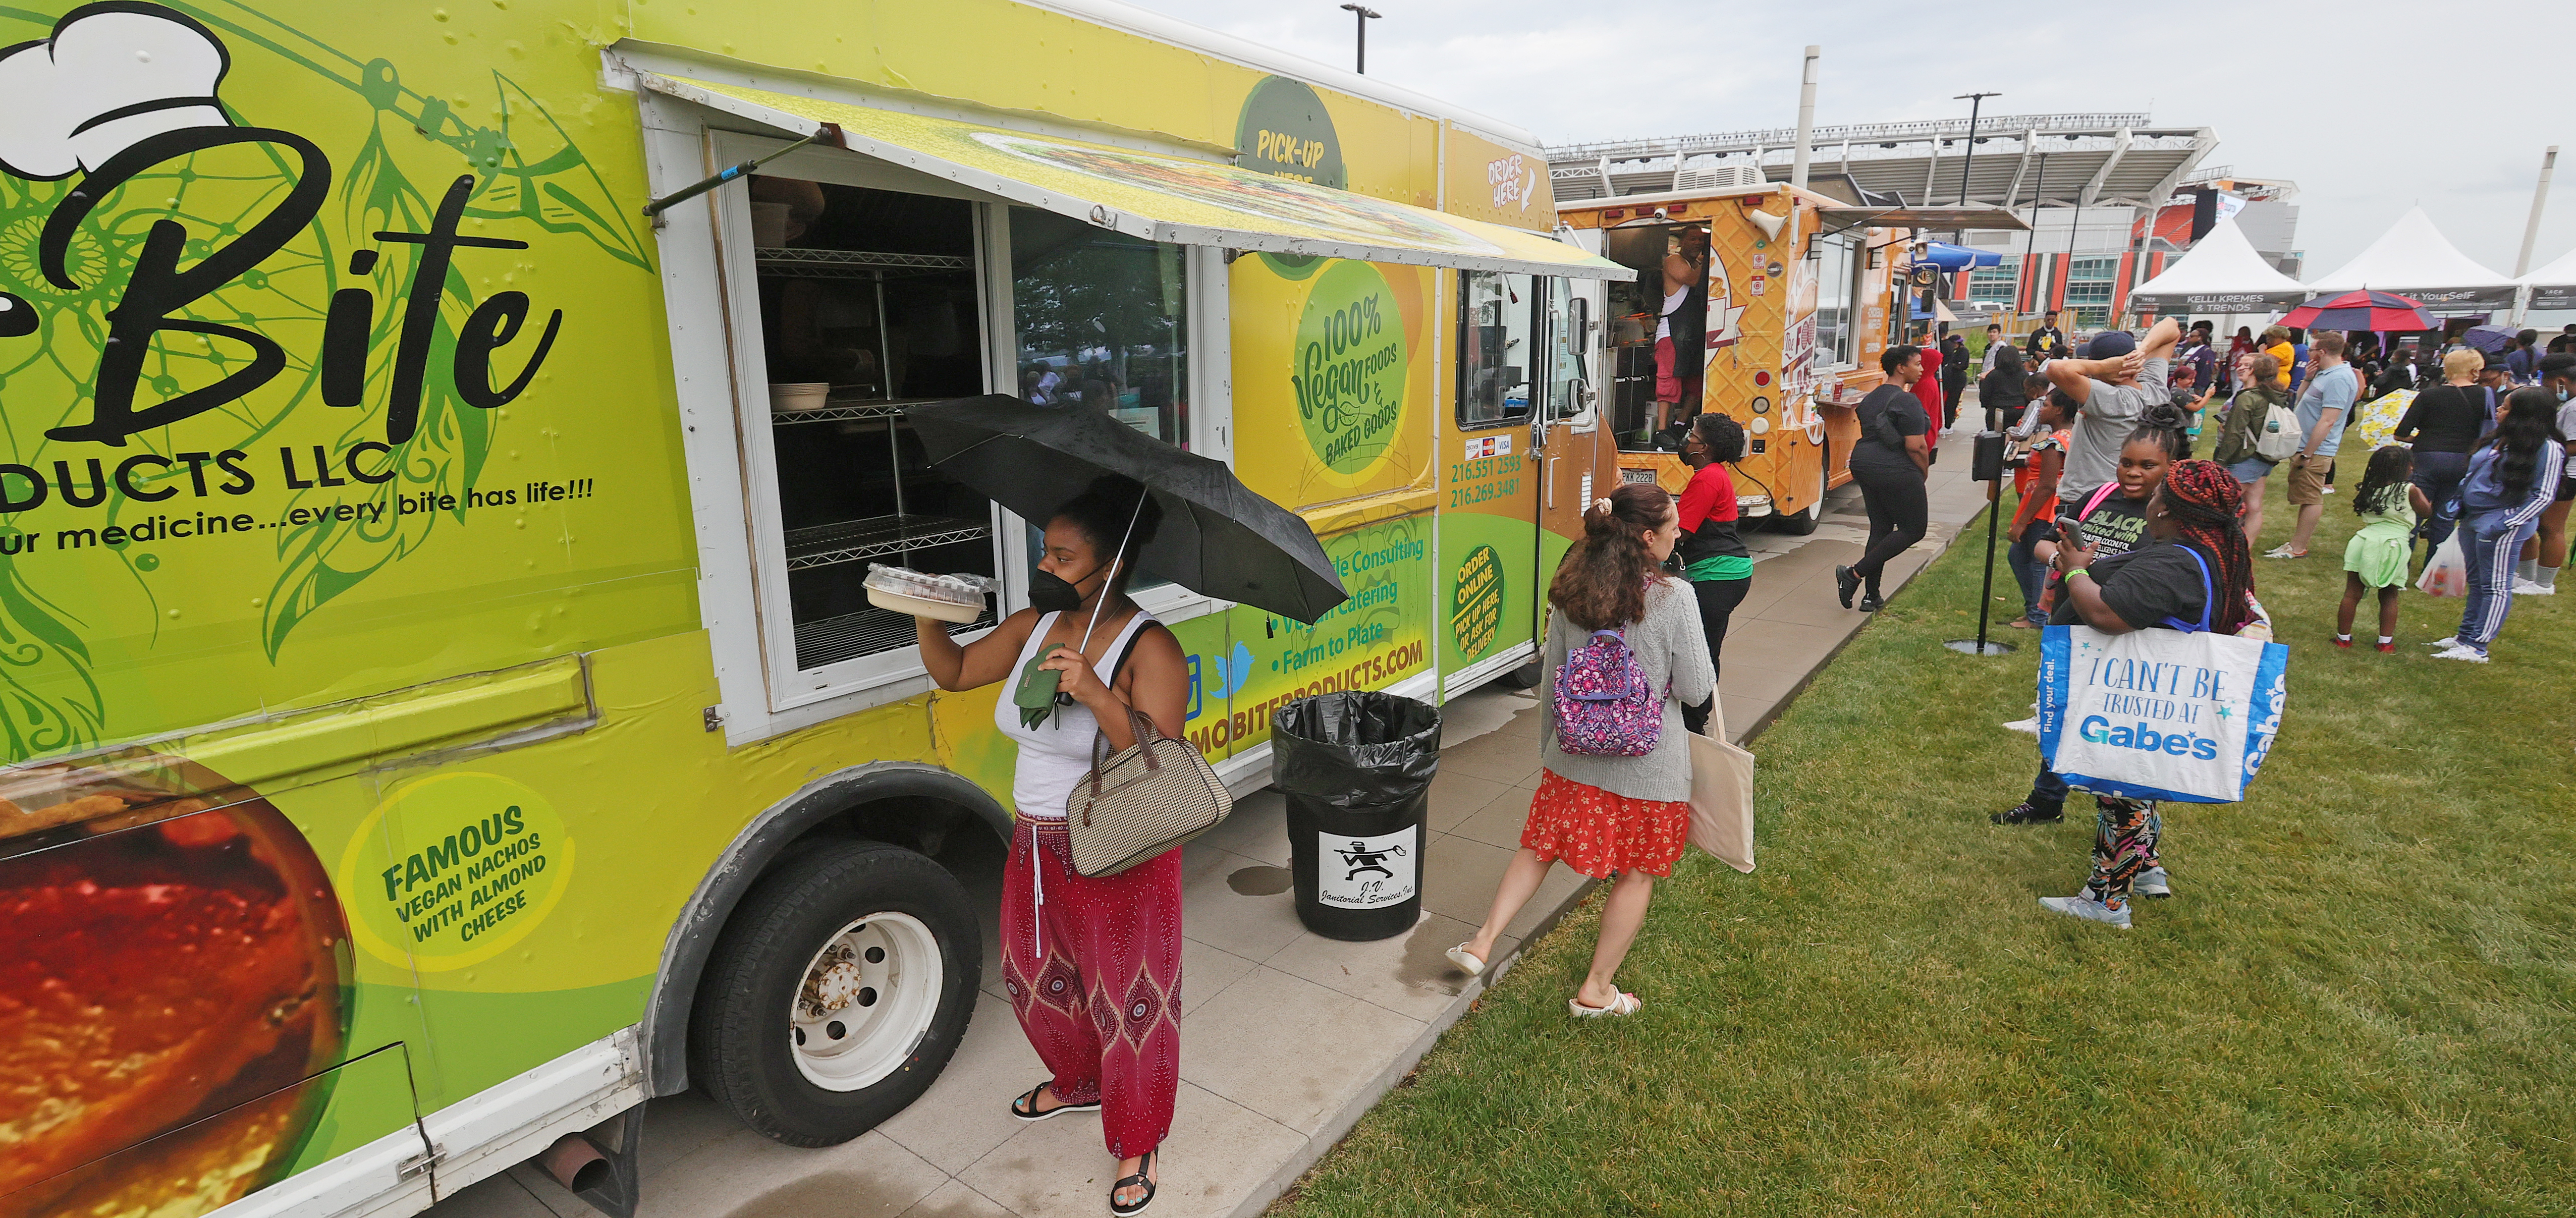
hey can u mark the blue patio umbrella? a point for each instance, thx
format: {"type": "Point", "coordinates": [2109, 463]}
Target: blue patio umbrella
{"type": "Point", "coordinates": [1950, 257]}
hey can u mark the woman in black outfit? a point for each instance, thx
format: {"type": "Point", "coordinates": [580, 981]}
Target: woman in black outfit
{"type": "Point", "coordinates": [2002, 393]}
{"type": "Point", "coordinates": [1890, 461]}
{"type": "Point", "coordinates": [1954, 378]}
{"type": "Point", "coordinates": [2444, 423]}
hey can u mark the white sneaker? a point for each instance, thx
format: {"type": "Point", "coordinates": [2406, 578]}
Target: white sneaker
{"type": "Point", "coordinates": [2152, 883]}
{"type": "Point", "coordinates": [2444, 643]}
{"type": "Point", "coordinates": [2524, 587]}
{"type": "Point", "coordinates": [2462, 652]}
{"type": "Point", "coordinates": [2030, 725]}
{"type": "Point", "coordinates": [2282, 550]}
{"type": "Point", "coordinates": [2085, 907]}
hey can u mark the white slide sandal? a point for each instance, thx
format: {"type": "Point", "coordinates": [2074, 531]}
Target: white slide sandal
{"type": "Point", "coordinates": [1625, 1004]}
{"type": "Point", "coordinates": [1466, 961]}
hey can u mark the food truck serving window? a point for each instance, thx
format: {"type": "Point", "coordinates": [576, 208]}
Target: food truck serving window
{"type": "Point", "coordinates": [1102, 319]}
{"type": "Point", "coordinates": [869, 299]}
{"type": "Point", "coordinates": [1836, 272]}
{"type": "Point", "coordinates": [1498, 348]}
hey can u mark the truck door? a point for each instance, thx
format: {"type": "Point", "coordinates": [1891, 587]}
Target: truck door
{"type": "Point", "coordinates": [1489, 511]}
{"type": "Point", "coordinates": [1574, 458]}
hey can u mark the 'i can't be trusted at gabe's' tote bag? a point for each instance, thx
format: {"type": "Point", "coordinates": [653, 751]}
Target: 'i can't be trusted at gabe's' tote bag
{"type": "Point", "coordinates": [2182, 715]}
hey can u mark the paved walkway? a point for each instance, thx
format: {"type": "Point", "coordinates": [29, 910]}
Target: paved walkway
{"type": "Point", "coordinates": [1287, 1037]}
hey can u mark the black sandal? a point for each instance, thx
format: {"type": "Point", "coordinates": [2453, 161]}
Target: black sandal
{"type": "Point", "coordinates": [1139, 1180]}
{"type": "Point", "coordinates": [1026, 1107]}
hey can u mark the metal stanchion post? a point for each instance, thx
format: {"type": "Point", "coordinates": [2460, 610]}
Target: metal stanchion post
{"type": "Point", "coordinates": [1989, 469]}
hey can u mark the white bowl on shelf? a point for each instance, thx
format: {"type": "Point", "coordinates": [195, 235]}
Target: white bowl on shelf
{"type": "Point", "coordinates": [799, 395]}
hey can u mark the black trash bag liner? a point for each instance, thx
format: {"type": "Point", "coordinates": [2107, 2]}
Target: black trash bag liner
{"type": "Point", "coordinates": [1355, 749]}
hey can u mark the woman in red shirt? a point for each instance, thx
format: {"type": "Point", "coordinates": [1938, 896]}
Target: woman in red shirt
{"type": "Point", "coordinates": [2036, 485]}
{"type": "Point", "coordinates": [1713, 557]}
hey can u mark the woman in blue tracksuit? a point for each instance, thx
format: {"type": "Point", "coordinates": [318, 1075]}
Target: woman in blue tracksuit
{"type": "Point", "coordinates": [2510, 481]}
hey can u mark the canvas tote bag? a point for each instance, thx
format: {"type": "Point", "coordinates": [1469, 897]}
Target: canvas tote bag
{"type": "Point", "coordinates": [1721, 816]}
{"type": "Point", "coordinates": [2178, 714]}
{"type": "Point", "coordinates": [1147, 799]}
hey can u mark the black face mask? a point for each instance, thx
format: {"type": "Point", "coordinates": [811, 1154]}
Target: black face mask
{"type": "Point", "coordinates": [1050, 593]}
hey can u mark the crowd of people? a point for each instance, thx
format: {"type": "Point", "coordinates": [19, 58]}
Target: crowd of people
{"type": "Point", "coordinates": [2118, 526]}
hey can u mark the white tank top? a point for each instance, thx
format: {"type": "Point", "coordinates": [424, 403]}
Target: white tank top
{"type": "Point", "coordinates": [1055, 754]}
{"type": "Point", "coordinates": [1673, 302]}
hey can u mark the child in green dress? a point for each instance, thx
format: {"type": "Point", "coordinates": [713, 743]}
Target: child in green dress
{"type": "Point", "coordinates": [2376, 557]}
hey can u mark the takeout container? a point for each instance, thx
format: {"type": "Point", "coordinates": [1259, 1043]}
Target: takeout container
{"type": "Point", "coordinates": [948, 598]}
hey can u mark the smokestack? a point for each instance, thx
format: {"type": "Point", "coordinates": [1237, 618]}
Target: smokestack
{"type": "Point", "coordinates": [1807, 119]}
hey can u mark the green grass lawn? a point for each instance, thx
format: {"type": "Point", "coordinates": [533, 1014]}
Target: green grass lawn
{"type": "Point", "coordinates": [2362, 998]}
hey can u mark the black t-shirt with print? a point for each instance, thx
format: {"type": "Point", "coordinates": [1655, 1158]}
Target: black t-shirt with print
{"type": "Point", "coordinates": [2144, 586]}
{"type": "Point", "coordinates": [1902, 410]}
{"type": "Point", "coordinates": [2115, 526]}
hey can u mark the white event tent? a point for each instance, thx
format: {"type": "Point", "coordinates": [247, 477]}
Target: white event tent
{"type": "Point", "coordinates": [2221, 274]}
{"type": "Point", "coordinates": [2554, 286]}
{"type": "Point", "coordinates": [2413, 259]}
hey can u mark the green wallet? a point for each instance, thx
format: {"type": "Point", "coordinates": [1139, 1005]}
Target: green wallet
{"type": "Point", "coordinates": [1036, 695]}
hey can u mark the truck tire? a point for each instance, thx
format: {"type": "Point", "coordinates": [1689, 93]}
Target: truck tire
{"type": "Point", "coordinates": [837, 992]}
{"type": "Point", "coordinates": [1524, 677]}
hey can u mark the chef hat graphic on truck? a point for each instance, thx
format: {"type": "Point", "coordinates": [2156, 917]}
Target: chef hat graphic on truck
{"type": "Point", "coordinates": [113, 75]}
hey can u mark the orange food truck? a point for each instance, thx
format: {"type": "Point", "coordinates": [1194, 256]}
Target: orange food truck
{"type": "Point", "coordinates": [440, 702]}
{"type": "Point", "coordinates": [1803, 291]}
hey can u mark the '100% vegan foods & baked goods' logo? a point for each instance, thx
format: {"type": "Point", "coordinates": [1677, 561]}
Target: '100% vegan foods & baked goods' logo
{"type": "Point", "coordinates": [1350, 369]}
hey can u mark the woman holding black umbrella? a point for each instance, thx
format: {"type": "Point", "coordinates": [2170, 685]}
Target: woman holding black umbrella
{"type": "Point", "coordinates": [1092, 965]}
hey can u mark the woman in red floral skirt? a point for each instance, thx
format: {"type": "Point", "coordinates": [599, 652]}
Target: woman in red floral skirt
{"type": "Point", "coordinates": [1612, 815]}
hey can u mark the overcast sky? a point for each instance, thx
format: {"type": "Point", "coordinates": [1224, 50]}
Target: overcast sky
{"type": "Point", "coordinates": [2371, 107]}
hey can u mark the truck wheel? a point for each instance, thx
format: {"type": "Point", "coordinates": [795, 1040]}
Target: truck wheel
{"type": "Point", "coordinates": [837, 992]}
{"type": "Point", "coordinates": [1524, 677]}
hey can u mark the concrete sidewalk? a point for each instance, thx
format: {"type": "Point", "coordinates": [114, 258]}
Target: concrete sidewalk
{"type": "Point", "coordinates": [1288, 1037]}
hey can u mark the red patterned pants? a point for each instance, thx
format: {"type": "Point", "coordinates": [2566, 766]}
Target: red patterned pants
{"type": "Point", "coordinates": [1093, 968]}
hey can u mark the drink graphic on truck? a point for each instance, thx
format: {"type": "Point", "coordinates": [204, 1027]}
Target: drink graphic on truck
{"type": "Point", "coordinates": [442, 708]}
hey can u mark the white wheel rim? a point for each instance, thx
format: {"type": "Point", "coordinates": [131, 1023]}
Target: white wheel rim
{"type": "Point", "coordinates": [866, 1000]}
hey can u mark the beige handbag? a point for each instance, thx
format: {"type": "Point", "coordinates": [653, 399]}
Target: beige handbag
{"type": "Point", "coordinates": [1146, 800]}
{"type": "Point", "coordinates": [1721, 799]}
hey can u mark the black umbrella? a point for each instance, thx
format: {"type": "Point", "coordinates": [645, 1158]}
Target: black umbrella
{"type": "Point", "coordinates": [1217, 538]}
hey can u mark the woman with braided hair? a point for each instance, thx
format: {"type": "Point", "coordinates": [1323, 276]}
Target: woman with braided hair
{"type": "Point", "coordinates": [2111, 521]}
{"type": "Point", "coordinates": [2195, 573]}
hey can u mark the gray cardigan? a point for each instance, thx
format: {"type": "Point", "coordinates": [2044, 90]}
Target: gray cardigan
{"type": "Point", "coordinates": [1675, 654]}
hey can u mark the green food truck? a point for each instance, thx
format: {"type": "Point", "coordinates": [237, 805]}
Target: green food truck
{"type": "Point", "coordinates": [442, 709]}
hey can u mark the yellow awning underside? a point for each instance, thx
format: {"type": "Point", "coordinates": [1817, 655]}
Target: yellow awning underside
{"type": "Point", "coordinates": [1157, 198]}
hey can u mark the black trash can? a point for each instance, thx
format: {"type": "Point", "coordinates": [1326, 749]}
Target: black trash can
{"type": "Point", "coordinates": [1357, 770]}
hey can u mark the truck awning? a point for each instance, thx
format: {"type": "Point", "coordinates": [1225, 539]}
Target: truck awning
{"type": "Point", "coordinates": [1836, 219]}
{"type": "Point", "coordinates": [1157, 198]}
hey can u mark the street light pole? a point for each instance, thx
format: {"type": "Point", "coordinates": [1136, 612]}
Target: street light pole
{"type": "Point", "coordinates": [1974, 101]}
{"type": "Point", "coordinates": [1364, 16]}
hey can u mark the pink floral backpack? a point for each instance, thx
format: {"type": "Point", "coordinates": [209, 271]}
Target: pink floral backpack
{"type": "Point", "coordinates": [1605, 706]}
